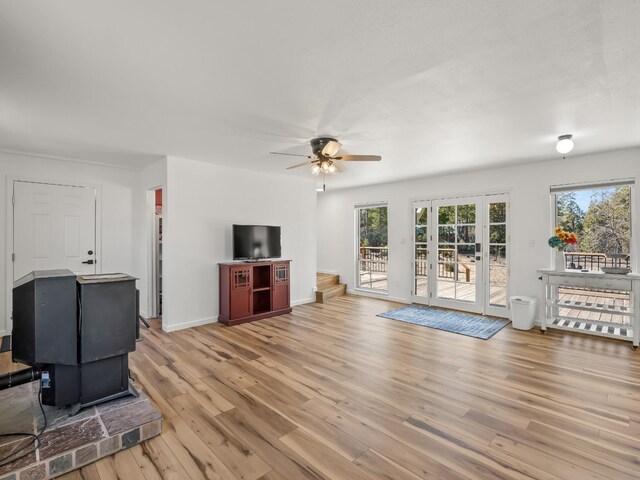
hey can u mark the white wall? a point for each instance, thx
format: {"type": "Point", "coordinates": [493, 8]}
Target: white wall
{"type": "Point", "coordinates": [204, 201]}
{"type": "Point", "coordinates": [531, 218]}
{"type": "Point", "coordinates": [116, 186]}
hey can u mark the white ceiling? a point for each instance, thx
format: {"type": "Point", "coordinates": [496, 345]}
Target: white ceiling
{"type": "Point", "coordinates": [432, 86]}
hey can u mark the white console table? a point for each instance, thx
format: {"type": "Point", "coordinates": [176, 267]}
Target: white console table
{"type": "Point", "coordinates": [551, 303]}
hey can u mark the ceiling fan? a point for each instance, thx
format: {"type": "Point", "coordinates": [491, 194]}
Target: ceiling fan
{"type": "Point", "coordinates": [325, 153]}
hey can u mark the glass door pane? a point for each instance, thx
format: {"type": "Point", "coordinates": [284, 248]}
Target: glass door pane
{"type": "Point", "coordinates": [421, 252]}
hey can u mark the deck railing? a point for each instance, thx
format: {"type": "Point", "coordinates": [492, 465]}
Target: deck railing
{"type": "Point", "coordinates": [446, 267]}
{"type": "Point", "coordinates": [374, 259]}
{"type": "Point", "coordinates": [592, 261]}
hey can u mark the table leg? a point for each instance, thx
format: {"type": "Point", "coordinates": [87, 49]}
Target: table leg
{"type": "Point", "coordinates": [635, 294]}
{"type": "Point", "coordinates": [543, 304]}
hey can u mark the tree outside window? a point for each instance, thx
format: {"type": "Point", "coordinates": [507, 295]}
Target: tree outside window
{"type": "Point", "coordinates": [600, 217]}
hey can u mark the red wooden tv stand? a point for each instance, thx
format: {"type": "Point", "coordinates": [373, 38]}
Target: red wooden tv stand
{"type": "Point", "coordinates": [253, 290]}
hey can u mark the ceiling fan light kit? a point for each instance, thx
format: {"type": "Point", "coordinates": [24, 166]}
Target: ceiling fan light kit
{"type": "Point", "coordinates": [325, 153]}
{"type": "Point", "coordinates": [331, 148]}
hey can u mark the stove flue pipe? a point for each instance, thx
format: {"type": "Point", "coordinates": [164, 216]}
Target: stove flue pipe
{"type": "Point", "coordinates": [20, 377]}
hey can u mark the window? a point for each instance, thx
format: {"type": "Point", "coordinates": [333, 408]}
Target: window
{"type": "Point", "coordinates": [373, 250]}
{"type": "Point", "coordinates": [600, 215]}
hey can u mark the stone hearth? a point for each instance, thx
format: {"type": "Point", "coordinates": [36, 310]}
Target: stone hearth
{"type": "Point", "coordinates": [70, 442]}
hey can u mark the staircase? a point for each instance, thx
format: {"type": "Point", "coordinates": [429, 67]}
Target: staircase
{"type": "Point", "coordinates": [328, 286]}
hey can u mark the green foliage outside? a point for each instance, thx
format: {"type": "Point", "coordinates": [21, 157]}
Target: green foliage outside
{"type": "Point", "coordinates": [606, 225]}
{"type": "Point", "coordinates": [373, 227]}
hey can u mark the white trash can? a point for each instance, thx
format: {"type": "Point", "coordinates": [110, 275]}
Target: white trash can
{"type": "Point", "coordinates": [523, 312]}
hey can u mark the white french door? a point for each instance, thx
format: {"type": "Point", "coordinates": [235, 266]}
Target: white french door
{"type": "Point", "coordinates": [496, 254]}
{"type": "Point", "coordinates": [457, 252]}
{"type": "Point", "coordinates": [460, 253]}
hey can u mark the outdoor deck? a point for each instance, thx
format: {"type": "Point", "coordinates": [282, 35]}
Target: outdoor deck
{"type": "Point", "coordinates": [460, 284]}
{"type": "Point", "coordinates": [467, 293]}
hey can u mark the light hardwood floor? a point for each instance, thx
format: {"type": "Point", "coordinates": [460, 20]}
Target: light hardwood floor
{"type": "Point", "coordinates": [332, 391]}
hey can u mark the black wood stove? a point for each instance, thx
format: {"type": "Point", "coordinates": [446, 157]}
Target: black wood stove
{"type": "Point", "coordinates": [76, 332]}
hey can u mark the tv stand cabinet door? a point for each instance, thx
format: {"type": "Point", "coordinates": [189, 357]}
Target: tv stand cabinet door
{"type": "Point", "coordinates": [280, 286]}
{"type": "Point", "coordinates": [241, 304]}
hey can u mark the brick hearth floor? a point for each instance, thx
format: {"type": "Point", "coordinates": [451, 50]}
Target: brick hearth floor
{"type": "Point", "coordinates": [70, 442]}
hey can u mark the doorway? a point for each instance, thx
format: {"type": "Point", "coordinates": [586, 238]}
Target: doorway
{"type": "Point", "coordinates": [155, 252]}
{"type": "Point", "coordinates": [461, 253]}
{"type": "Point", "coordinates": [51, 226]}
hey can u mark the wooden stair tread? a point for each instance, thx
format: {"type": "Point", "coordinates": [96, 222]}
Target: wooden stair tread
{"type": "Point", "coordinates": [330, 292]}
{"type": "Point", "coordinates": [328, 286]}
{"type": "Point", "coordinates": [326, 279]}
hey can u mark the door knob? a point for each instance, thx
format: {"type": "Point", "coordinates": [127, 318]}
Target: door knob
{"type": "Point", "coordinates": [88, 262]}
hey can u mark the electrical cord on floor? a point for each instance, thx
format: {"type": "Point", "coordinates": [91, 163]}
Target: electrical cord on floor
{"type": "Point", "coordinates": [35, 436]}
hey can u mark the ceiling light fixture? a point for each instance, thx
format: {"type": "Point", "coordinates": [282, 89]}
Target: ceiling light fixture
{"type": "Point", "coordinates": [315, 169]}
{"type": "Point", "coordinates": [565, 144]}
{"type": "Point", "coordinates": [332, 168]}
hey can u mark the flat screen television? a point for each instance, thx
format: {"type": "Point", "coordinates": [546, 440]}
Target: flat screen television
{"type": "Point", "coordinates": [252, 242]}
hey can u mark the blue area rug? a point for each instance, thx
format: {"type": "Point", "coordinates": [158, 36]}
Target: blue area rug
{"type": "Point", "coordinates": [448, 320]}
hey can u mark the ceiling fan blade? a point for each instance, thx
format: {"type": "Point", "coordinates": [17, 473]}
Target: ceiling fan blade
{"type": "Point", "coordinates": [308, 162]}
{"type": "Point", "coordinates": [331, 148]}
{"type": "Point", "coordinates": [358, 158]}
{"type": "Point", "coordinates": [290, 154]}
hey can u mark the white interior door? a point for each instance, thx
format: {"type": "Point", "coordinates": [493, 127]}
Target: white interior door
{"type": "Point", "coordinates": [54, 227]}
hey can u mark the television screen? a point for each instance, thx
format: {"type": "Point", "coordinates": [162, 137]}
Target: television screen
{"type": "Point", "coordinates": [256, 241]}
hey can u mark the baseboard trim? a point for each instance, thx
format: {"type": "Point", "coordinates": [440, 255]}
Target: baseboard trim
{"type": "Point", "coordinates": [303, 301]}
{"type": "Point", "coordinates": [189, 324]}
{"type": "Point", "coordinates": [330, 272]}
{"type": "Point", "coordinates": [208, 320]}
{"type": "Point", "coordinates": [379, 296]}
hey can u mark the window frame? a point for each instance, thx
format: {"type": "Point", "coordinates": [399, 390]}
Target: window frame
{"type": "Point", "coordinates": [357, 208]}
{"type": "Point", "coordinates": [554, 190]}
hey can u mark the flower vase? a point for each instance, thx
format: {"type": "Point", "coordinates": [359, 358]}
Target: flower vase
{"type": "Point", "coordinates": [561, 264]}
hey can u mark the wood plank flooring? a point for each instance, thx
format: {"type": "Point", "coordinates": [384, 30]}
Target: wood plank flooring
{"type": "Point", "coordinates": [331, 391]}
